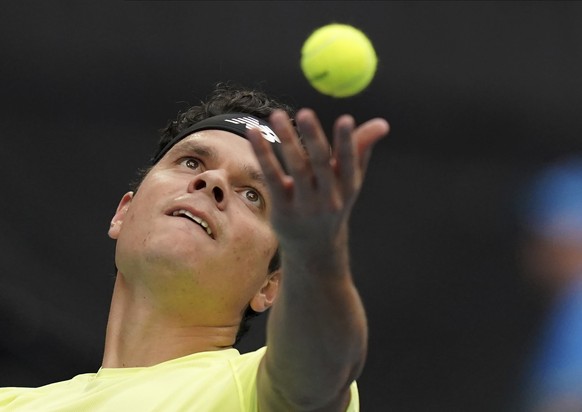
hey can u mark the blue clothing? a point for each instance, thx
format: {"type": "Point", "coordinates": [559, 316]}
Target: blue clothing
{"type": "Point", "coordinates": [557, 367]}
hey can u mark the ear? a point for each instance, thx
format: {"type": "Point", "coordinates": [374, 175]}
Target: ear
{"type": "Point", "coordinates": [119, 216]}
{"type": "Point", "coordinates": [265, 297]}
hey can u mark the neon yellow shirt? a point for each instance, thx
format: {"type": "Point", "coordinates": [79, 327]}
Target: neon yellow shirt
{"type": "Point", "coordinates": [219, 381]}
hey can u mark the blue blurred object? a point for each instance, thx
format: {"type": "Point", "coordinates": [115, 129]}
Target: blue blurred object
{"type": "Point", "coordinates": [552, 210]}
{"type": "Point", "coordinates": [556, 372]}
{"type": "Point", "coordinates": [553, 203]}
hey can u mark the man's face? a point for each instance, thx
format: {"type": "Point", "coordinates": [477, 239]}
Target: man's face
{"type": "Point", "coordinates": [197, 232]}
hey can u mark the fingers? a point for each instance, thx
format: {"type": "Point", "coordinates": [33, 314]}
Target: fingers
{"type": "Point", "coordinates": [294, 156]}
{"type": "Point", "coordinates": [366, 135]}
{"type": "Point", "coordinates": [316, 175]}
{"type": "Point", "coordinates": [319, 154]}
{"type": "Point", "coordinates": [346, 166]}
{"type": "Point", "coordinates": [279, 184]}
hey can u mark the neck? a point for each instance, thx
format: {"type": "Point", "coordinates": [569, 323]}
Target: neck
{"type": "Point", "coordinates": [139, 333]}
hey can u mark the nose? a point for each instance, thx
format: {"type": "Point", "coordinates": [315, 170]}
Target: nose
{"type": "Point", "coordinates": [213, 183]}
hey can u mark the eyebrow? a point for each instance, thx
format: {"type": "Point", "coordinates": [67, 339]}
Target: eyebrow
{"type": "Point", "coordinates": [255, 175]}
{"type": "Point", "coordinates": [199, 149]}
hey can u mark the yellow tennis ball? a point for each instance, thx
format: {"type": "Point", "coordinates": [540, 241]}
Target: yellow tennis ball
{"type": "Point", "coordinates": [338, 60]}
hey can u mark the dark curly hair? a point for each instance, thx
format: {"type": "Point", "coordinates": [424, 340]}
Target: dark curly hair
{"type": "Point", "coordinates": [227, 98]}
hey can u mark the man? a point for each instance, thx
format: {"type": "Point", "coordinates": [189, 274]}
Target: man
{"type": "Point", "coordinates": [197, 248]}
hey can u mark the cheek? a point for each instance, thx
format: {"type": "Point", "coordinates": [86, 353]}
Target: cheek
{"type": "Point", "coordinates": [255, 247]}
{"type": "Point", "coordinates": [130, 230]}
{"type": "Point", "coordinates": [135, 236]}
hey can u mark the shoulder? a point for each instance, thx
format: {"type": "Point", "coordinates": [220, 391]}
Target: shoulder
{"type": "Point", "coordinates": [9, 395]}
{"type": "Point", "coordinates": [34, 398]}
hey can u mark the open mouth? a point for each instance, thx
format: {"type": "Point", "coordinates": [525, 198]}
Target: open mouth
{"type": "Point", "coordinates": [201, 222]}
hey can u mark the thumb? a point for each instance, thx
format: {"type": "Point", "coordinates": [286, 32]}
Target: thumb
{"type": "Point", "coordinates": [366, 136]}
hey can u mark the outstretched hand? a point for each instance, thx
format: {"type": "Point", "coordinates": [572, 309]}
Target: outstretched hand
{"type": "Point", "coordinates": [312, 203]}
{"type": "Point", "coordinates": [312, 197]}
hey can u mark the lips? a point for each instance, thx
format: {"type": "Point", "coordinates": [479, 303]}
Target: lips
{"type": "Point", "coordinates": [196, 219]}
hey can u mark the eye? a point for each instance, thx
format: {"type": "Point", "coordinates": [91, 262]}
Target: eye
{"type": "Point", "coordinates": [253, 197]}
{"type": "Point", "coordinates": [192, 163]}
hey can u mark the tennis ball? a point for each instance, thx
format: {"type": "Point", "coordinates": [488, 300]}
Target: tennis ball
{"type": "Point", "coordinates": [338, 60]}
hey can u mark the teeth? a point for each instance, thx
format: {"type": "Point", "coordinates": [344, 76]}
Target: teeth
{"type": "Point", "coordinates": [198, 220]}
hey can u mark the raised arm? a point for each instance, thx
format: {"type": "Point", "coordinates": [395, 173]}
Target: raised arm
{"type": "Point", "coordinates": [317, 331]}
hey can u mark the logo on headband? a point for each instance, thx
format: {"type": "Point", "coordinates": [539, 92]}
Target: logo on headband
{"type": "Point", "coordinates": [252, 123]}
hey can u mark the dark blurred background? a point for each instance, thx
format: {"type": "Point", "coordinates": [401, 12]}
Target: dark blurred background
{"type": "Point", "coordinates": [479, 96]}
